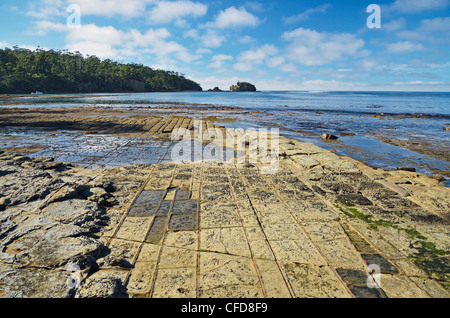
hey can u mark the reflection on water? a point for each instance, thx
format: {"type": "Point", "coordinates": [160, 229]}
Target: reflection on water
{"type": "Point", "coordinates": [90, 151]}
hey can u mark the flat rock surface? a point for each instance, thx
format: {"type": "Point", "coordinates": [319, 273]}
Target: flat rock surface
{"type": "Point", "coordinates": [321, 226]}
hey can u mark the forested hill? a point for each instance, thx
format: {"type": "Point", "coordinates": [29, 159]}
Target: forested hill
{"type": "Point", "coordinates": [23, 71]}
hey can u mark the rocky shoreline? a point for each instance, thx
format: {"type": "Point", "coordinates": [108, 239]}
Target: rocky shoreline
{"type": "Point", "coordinates": [208, 229]}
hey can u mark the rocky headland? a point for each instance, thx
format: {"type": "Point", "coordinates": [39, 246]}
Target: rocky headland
{"type": "Point", "coordinates": [243, 87]}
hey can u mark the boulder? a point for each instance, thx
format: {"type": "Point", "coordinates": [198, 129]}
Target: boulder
{"type": "Point", "coordinates": [215, 89]}
{"type": "Point", "coordinates": [410, 169]}
{"type": "Point", "coordinates": [438, 177]}
{"type": "Point", "coordinates": [329, 137]}
{"type": "Point", "coordinates": [74, 211]}
{"type": "Point", "coordinates": [243, 87]}
{"type": "Point", "coordinates": [102, 284]}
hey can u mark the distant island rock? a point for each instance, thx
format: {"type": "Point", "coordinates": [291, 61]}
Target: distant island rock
{"type": "Point", "coordinates": [215, 89]}
{"type": "Point", "coordinates": [243, 87]}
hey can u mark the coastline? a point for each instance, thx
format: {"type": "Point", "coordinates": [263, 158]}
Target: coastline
{"type": "Point", "coordinates": [208, 229]}
{"type": "Point", "coordinates": [429, 158]}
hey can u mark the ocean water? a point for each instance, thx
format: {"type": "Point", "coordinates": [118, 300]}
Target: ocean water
{"type": "Point", "coordinates": [305, 115]}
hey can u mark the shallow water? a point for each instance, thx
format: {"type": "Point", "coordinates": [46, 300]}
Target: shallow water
{"type": "Point", "coordinates": [305, 116]}
{"type": "Point", "coordinates": [90, 151]}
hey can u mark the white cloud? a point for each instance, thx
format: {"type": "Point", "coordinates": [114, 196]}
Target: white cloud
{"type": "Point", "coordinates": [418, 6]}
{"type": "Point", "coordinates": [266, 54]}
{"type": "Point", "coordinates": [94, 33]}
{"type": "Point", "coordinates": [436, 29]}
{"type": "Point", "coordinates": [43, 27]}
{"type": "Point", "coordinates": [404, 47]}
{"type": "Point", "coordinates": [212, 39]}
{"type": "Point", "coordinates": [288, 68]}
{"type": "Point", "coordinates": [146, 39]}
{"type": "Point", "coordinates": [203, 51]}
{"type": "Point", "coordinates": [219, 60]}
{"type": "Point", "coordinates": [109, 42]}
{"type": "Point", "coordinates": [367, 64]}
{"type": "Point", "coordinates": [276, 61]}
{"type": "Point", "coordinates": [4, 44]}
{"type": "Point", "coordinates": [394, 25]}
{"type": "Point", "coordinates": [129, 8]}
{"type": "Point", "coordinates": [46, 9]}
{"type": "Point", "coordinates": [306, 14]}
{"type": "Point", "coordinates": [312, 48]}
{"type": "Point", "coordinates": [233, 17]}
{"type": "Point", "coordinates": [94, 40]}
{"type": "Point", "coordinates": [168, 11]}
{"type": "Point", "coordinates": [49, 9]}
{"type": "Point", "coordinates": [248, 59]}
{"type": "Point", "coordinates": [256, 6]}
{"type": "Point", "coordinates": [246, 39]}
{"type": "Point", "coordinates": [330, 85]}
{"type": "Point", "coordinates": [418, 83]}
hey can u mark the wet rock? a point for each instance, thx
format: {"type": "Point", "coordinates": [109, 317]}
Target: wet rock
{"type": "Point", "coordinates": [410, 169]}
{"type": "Point", "coordinates": [352, 199]}
{"type": "Point", "coordinates": [347, 134]}
{"type": "Point", "coordinates": [447, 128]}
{"type": "Point", "coordinates": [44, 159]}
{"type": "Point", "coordinates": [329, 137]}
{"type": "Point", "coordinates": [20, 159]}
{"type": "Point", "coordinates": [438, 177]}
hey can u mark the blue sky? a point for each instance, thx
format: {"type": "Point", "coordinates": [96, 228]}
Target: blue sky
{"type": "Point", "coordinates": [277, 45]}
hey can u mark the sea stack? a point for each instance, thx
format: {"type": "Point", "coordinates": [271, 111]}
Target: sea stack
{"type": "Point", "coordinates": [243, 87]}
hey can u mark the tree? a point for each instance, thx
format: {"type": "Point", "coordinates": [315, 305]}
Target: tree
{"type": "Point", "coordinates": [23, 71]}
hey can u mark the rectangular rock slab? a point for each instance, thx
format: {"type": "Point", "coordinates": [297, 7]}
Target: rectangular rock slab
{"type": "Point", "coordinates": [226, 272]}
{"type": "Point", "coordinates": [379, 260]}
{"type": "Point", "coordinates": [225, 240]}
{"type": "Point", "coordinates": [301, 251]}
{"type": "Point", "coordinates": [187, 206]}
{"type": "Point", "coordinates": [164, 208]}
{"type": "Point", "coordinates": [134, 228]}
{"type": "Point", "coordinates": [272, 279]}
{"type": "Point", "coordinates": [140, 281]}
{"type": "Point", "coordinates": [182, 195]}
{"type": "Point", "coordinates": [314, 281]}
{"type": "Point", "coordinates": [175, 283]}
{"type": "Point", "coordinates": [341, 253]}
{"type": "Point", "coordinates": [149, 198]}
{"type": "Point", "coordinates": [183, 222]}
{"type": "Point", "coordinates": [142, 211]}
{"type": "Point", "coordinates": [157, 230]}
{"type": "Point", "coordinates": [366, 292]}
